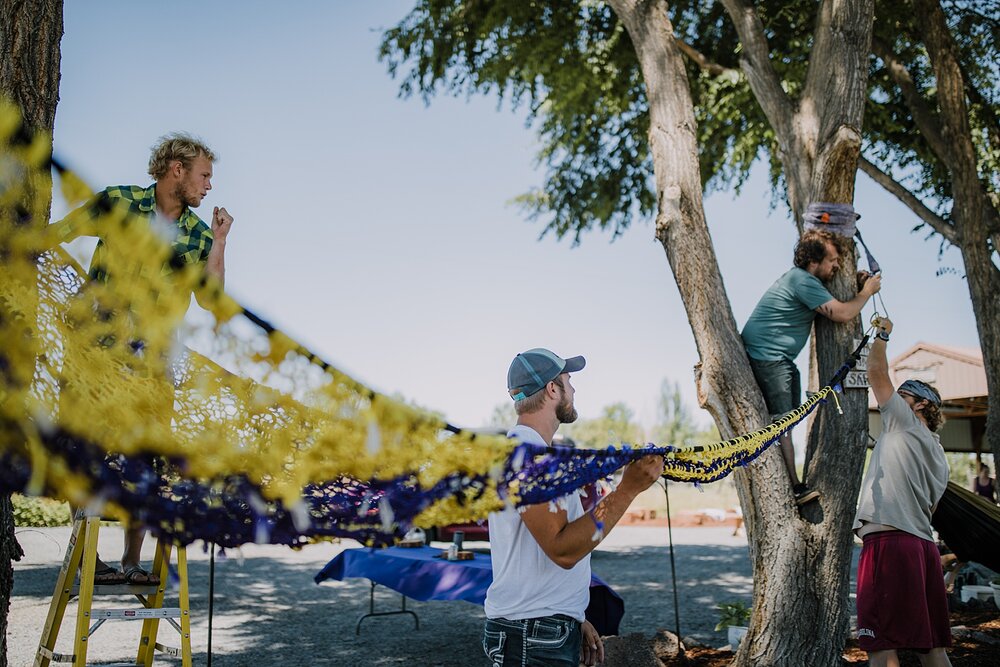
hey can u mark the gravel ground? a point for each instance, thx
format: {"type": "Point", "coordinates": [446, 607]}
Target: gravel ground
{"type": "Point", "coordinates": [268, 611]}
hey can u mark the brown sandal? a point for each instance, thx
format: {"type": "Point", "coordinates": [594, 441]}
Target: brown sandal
{"type": "Point", "coordinates": [108, 576]}
{"type": "Point", "coordinates": [134, 575]}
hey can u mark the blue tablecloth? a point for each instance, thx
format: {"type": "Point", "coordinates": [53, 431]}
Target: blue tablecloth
{"type": "Point", "coordinates": [417, 574]}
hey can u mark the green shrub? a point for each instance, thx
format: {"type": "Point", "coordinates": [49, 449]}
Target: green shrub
{"type": "Point", "coordinates": [732, 613]}
{"type": "Point", "coordinates": [32, 511]}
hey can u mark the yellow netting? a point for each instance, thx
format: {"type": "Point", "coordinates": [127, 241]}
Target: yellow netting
{"type": "Point", "coordinates": [110, 366]}
{"type": "Point", "coordinates": [89, 368]}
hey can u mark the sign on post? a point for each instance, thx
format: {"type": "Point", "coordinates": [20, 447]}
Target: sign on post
{"type": "Point", "coordinates": [858, 378]}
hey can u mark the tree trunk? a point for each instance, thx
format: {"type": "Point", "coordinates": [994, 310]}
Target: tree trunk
{"type": "Point", "coordinates": [800, 563]}
{"type": "Point", "coordinates": [974, 216]}
{"type": "Point", "coordinates": [825, 136]}
{"type": "Point", "coordinates": [680, 222]}
{"type": "Point", "coordinates": [984, 289]}
{"type": "Point", "coordinates": [30, 34]}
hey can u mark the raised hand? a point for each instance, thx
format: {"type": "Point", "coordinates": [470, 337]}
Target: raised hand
{"type": "Point", "coordinates": [221, 223]}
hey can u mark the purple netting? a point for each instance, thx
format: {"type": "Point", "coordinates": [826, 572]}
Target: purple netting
{"type": "Point", "coordinates": [232, 511]}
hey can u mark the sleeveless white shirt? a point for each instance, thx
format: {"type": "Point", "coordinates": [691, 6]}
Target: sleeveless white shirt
{"type": "Point", "coordinates": [526, 583]}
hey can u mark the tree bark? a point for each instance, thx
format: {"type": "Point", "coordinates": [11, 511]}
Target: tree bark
{"type": "Point", "coordinates": [30, 35]}
{"type": "Point", "coordinates": [800, 561]}
{"type": "Point", "coordinates": [911, 201]}
{"type": "Point", "coordinates": [824, 140]}
{"type": "Point", "coordinates": [975, 218]}
{"type": "Point", "coordinates": [921, 112]}
{"type": "Point", "coordinates": [800, 565]}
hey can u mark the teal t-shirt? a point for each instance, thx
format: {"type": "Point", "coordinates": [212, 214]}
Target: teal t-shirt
{"type": "Point", "coordinates": [779, 326]}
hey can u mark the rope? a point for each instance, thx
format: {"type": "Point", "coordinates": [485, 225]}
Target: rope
{"type": "Point", "coordinates": [259, 439]}
{"type": "Point", "coordinates": [211, 597]}
{"type": "Point", "coordinates": [673, 571]}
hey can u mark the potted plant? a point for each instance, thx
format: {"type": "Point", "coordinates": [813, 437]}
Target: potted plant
{"type": "Point", "coordinates": [734, 616]}
{"type": "Point", "coordinates": [995, 585]}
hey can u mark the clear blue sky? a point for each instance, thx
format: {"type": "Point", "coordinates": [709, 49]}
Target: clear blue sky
{"type": "Point", "coordinates": [378, 231]}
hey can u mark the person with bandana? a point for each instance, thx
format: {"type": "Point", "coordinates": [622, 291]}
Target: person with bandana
{"type": "Point", "coordinates": [901, 597]}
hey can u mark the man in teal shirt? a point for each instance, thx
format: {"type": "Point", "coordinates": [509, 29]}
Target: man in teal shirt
{"type": "Point", "coordinates": [779, 327]}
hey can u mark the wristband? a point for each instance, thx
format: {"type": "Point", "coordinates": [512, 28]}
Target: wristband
{"type": "Point", "coordinates": [881, 335]}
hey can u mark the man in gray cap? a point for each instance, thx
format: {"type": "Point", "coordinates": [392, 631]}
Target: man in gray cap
{"type": "Point", "coordinates": [779, 327]}
{"type": "Point", "coordinates": [541, 553]}
{"type": "Point", "coordinates": [902, 603]}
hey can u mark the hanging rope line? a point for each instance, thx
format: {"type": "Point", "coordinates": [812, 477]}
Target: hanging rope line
{"type": "Point", "coordinates": [228, 430]}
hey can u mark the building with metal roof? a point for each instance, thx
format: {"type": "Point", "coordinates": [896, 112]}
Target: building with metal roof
{"type": "Point", "coordinates": [958, 374]}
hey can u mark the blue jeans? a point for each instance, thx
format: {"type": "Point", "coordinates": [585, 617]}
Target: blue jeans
{"type": "Point", "coordinates": [533, 642]}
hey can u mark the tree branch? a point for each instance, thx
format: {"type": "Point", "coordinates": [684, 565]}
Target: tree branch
{"type": "Point", "coordinates": [985, 107]}
{"type": "Point", "coordinates": [927, 122]}
{"type": "Point", "coordinates": [699, 59]}
{"type": "Point", "coordinates": [937, 223]}
{"type": "Point", "coordinates": [756, 64]}
{"type": "Point", "coordinates": [973, 204]}
{"type": "Point", "coordinates": [836, 81]}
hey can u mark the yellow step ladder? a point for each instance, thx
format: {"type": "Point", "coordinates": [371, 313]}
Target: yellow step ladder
{"type": "Point", "coordinates": [83, 548]}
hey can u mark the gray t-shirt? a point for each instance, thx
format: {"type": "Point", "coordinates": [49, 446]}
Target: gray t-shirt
{"type": "Point", "coordinates": [779, 326]}
{"type": "Point", "coordinates": [907, 473]}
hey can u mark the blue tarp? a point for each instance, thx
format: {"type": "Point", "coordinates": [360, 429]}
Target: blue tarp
{"type": "Point", "coordinates": [419, 575]}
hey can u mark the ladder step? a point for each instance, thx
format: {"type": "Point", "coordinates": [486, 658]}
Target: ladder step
{"type": "Point", "coordinates": [169, 650]}
{"type": "Point", "coordinates": [80, 557]}
{"type": "Point", "coordinates": [116, 589]}
{"type": "Point", "coordinates": [56, 657]}
{"type": "Point", "coordinates": [135, 614]}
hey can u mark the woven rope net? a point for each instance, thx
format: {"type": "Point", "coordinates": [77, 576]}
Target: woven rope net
{"type": "Point", "coordinates": [221, 427]}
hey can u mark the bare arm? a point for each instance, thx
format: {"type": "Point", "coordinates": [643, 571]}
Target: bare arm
{"type": "Point", "coordinates": [216, 262]}
{"type": "Point", "coordinates": [566, 542]}
{"type": "Point", "coordinates": [222, 222]}
{"type": "Point", "coordinates": [878, 366]}
{"type": "Point", "coordinates": [845, 311]}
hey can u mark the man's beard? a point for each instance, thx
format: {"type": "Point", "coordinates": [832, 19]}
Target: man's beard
{"type": "Point", "coordinates": [186, 200]}
{"type": "Point", "coordinates": [565, 412]}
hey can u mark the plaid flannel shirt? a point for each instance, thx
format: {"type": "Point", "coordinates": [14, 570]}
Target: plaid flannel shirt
{"type": "Point", "coordinates": [192, 242]}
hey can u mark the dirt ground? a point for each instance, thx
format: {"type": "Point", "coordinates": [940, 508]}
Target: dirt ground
{"type": "Point", "coordinates": [268, 611]}
{"type": "Point", "coordinates": [964, 652]}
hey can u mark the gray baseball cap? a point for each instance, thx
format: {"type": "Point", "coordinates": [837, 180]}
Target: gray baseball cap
{"type": "Point", "coordinates": [532, 370]}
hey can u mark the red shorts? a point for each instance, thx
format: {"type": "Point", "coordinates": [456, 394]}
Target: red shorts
{"type": "Point", "coordinates": [901, 598]}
